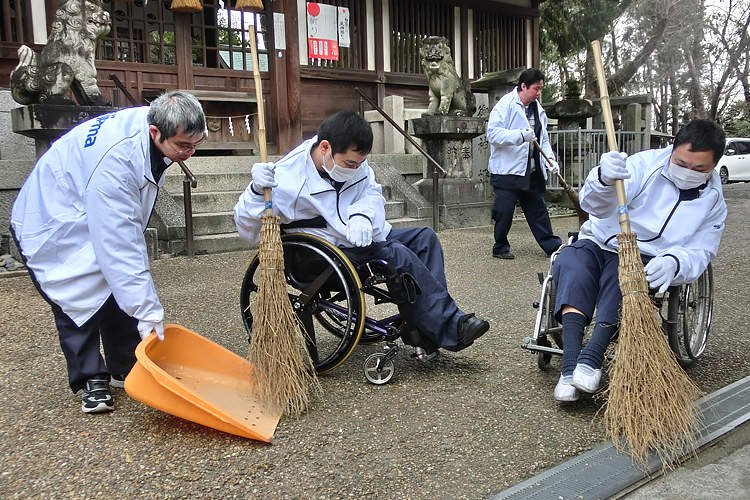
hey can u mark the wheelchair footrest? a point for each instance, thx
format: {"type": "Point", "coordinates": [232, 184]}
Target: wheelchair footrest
{"type": "Point", "coordinates": [531, 345]}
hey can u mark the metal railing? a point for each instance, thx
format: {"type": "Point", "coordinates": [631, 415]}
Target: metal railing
{"type": "Point", "coordinates": [436, 168]}
{"type": "Point", "coordinates": [579, 150]}
{"type": "Point", "coordinates": [188, 182]}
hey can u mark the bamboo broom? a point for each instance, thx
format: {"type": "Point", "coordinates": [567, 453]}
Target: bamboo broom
{"type": "Point", "coordinates": [186, 5]}
{"type": "Point", "coordinates": [256, 5]}
{"type": "Point", "coordinates": [650, 397]}
{"type": "Point", "coordinates": [282, 369]}
{"type": "Point", "coordinates": [583, 216]}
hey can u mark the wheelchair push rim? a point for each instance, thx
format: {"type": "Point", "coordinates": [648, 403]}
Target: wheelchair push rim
{"type": "Point", "coordinates": [325, 293]}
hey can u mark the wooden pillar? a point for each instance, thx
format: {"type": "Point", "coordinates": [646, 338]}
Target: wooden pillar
{"type": "Point", "coordinates": [536, 57]}
{"type": "Point", "coordinates": [464, 27]}
{"type": "Point", "coordinates": [293, 81]}
{"type": "Point", "coordinates": [380, 39]}
{"type": "Point", "coordinates": [183, 50]}
{"type": "Point", "coordinates": [277, 67]}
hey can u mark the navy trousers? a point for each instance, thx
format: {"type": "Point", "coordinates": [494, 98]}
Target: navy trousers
{"type": "Point", "coordinates": [80, 344]}
{"type": "Point", "coordinates": [537, 216]}
{"type": "Point", "coordinates": [586, 278]}
{"type": "Point", "coordinates": [418, 251]}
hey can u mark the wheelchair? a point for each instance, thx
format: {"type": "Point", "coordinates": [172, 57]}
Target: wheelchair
{"type": "Point", "coordinates": [328, 293]}
{"type": "Point", "coordinates": [685, 311]}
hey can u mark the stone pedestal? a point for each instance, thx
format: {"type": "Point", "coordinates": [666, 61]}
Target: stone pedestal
{"type": "Point", "coordinates": [448, 140]}
{"type": "Point", "coordinates": [47, 122]}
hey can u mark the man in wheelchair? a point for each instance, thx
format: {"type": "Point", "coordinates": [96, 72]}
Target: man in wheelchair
{"type": "Point", "coordinates": [677, 210]}
{"type": "Point", "coordinates": [328, 176]}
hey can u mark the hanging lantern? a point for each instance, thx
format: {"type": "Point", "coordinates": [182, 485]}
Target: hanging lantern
{"type": "Point", "coordinates": [187, 5]}
{"type": "Point", "coordinates": [254, 5]}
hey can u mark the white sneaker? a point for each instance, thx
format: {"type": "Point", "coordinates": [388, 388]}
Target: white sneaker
{"type": "Point", "coordinates": [564, 391]}
{"type": "Point", "coordinates": [586, 378]}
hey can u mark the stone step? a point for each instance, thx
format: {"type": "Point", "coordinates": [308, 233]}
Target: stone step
{"type": "Point", "coordinates": [224, 201]}
{"type": "Point", "coordinates": [219, 222]}
{"type": "Point", "coordinates": [231, 181]}
{"type": "Point", "coordinates": [231, 241]}
{"type": "Point", "coordinates": [213, 223]}
{"type": "Point", "coordinates": [411, 222]}
{"type": "Point", "coordinates": [211, 201]}
{"type": "Point", "coordinates": [211, 182]}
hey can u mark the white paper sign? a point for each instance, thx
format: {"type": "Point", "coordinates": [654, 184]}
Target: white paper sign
{"type": "Point", "coordinates": [279, 31]}
{"type": "Point", "coordinates": [344, 40]}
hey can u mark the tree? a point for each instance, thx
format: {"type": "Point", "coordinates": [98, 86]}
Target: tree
{"type": "Point", "coordinates": [692, 56]}
{"type": "Point", "coordinates": [728, 46]}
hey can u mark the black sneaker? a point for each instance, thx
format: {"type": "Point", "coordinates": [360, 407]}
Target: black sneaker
{"type": "Point", "coordinates": [504, 255]}
{"type": "Point", "coordinates": [96, 397]}
{"type": "Point", "coordinates": [117, 381]}
{"type": "Point", "coordinates": [470, 328]}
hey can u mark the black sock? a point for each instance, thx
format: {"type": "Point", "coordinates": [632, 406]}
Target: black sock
{"type": "Point", "coordinates": [573, 326]}
{"type": "Point", "coordinates": [593, 354]}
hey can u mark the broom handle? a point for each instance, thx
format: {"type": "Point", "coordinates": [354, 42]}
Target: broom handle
{"type": "Point", "coordinates": [622, 204]}
{"type": "Point", "coordinates": [261, 118]}
{"type": "Point", "coordinates": [562, 179]}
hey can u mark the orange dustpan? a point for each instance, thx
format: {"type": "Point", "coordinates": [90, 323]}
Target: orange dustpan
{"type": "Point", "coordinates": [193, 378]}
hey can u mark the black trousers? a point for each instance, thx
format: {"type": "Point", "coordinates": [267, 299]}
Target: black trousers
{"type": "Point", "coordinates": [534, 208]}
{"type": "Point", "coordinates": [80, 344]}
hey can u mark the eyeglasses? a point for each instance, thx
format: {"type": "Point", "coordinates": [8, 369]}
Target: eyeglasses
{"type": "Point", "coordinates": [185, 147]}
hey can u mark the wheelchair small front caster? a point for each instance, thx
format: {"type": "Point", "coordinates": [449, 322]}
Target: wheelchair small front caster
{"type": "Point", "coordinates": [378, 368]}
{"type": "Point", "coordinates": [543, 358]}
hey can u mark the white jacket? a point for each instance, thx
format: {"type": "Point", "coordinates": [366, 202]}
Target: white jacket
{"type": "Point", "coordinates": [689, 230]}
{"type": "Point", "coordinates": [508, 153]}
{"type": "Point", "coordinates": [81, 215]}
{"type": "Point", "coordinates": [303, 194]}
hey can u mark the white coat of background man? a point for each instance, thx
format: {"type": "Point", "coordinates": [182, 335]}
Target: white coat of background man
{"type": "Point", "coordinates": [79, 221]}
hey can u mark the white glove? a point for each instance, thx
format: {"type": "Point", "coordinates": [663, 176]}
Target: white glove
{"type": "Point", "coordinates": [359, 231]}
{"type": "Point", "coordinates": [263, 175]}
{"type": "Point", "coordinates": [612, 167]}
{"type": "Point", "coordinates": [528, 135]}
{"type": "Point", "coordinates": [660, 272]}
{"type": "Point", "coordinates": [146, 327]}
{"type": "Point", "coordinates": [553, 166]}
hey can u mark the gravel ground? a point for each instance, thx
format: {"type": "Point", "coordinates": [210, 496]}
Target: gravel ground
{"type": "Point", "coordinates": [465, 426]}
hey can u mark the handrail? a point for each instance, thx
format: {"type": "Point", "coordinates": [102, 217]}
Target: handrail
{"type": "Point", "coordinates": [187, 183]}
{"type": "Point", "coordinates": [436, 165]}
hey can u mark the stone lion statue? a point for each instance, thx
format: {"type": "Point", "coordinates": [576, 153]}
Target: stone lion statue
{"type": "Point", "coordinates": [67, 61]}
{"type": "Point", "coordinates": [449, 94]}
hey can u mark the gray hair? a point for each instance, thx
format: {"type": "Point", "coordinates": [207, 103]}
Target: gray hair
{"type": "Point", "coordinates": [176, 111]}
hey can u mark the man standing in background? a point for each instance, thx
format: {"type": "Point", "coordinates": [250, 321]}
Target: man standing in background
{"type": "Point", "coordinates": [516, 172]}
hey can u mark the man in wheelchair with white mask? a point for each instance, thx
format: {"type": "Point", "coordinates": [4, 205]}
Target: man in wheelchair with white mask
{"type": "Point", "coordinates": [328, 176]}
{"type": "Point", "coordinates": [677, 210]}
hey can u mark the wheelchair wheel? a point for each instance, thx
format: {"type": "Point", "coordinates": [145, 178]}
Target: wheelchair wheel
{"type": "Point", "coordinates": [552, 294]}
{"type": "Point", "coordinates": [378, 370]}
{"type": "Point", "coordinates": [689, 317]}
{"type": "Point", "coordinates": [325, 293]}
{"type": "Point", "coordinates": [543, 358]}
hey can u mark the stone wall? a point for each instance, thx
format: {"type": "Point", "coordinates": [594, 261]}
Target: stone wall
{"type": "Point", "coordinates": [17, 157]}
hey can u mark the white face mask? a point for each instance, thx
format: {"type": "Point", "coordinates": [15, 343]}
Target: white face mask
{"type": "Point", "coordinates": [338, 173]}
{"type": "Point", "coordinates": [684, 178]}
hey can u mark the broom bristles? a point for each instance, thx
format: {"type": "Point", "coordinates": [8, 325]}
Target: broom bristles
{"type": "Point", "coordinates": [186, 5]}
{"type": "Point", "coordinates": [255, 5]}
{"type": "Point", "coordinates": [650, 397]}
{"type": "Point", "coordinates": [282, 369]}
